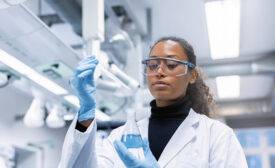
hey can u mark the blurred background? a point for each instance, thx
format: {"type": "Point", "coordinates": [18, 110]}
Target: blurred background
{"type": "Point", "coordinates": [41, 42]}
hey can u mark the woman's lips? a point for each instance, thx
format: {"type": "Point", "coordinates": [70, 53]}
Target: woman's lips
{"type": "Point", "coordinates": [160, 84]}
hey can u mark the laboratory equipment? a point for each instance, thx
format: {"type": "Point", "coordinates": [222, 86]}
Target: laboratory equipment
{"type": "Point", "coordinates": [131, 136]}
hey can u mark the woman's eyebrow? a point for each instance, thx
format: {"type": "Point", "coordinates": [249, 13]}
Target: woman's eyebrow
{"type": "Point", "coordinates": [170, 56]}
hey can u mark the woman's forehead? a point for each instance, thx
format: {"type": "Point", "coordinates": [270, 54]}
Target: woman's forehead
{"type": "Point", "coordinates": [169, 49]}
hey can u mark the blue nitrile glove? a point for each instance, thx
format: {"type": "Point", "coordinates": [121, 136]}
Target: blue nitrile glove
{"type": "Point", "coordinates": [84, 86]}
{"type": "Point", "coordinates": [130, 161]}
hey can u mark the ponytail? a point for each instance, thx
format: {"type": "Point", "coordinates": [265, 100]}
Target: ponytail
{"type": "Point", "coordinates": [202, 100]}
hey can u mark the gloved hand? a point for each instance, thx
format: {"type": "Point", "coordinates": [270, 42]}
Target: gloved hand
{"type": "Point", "coordinates": [130, 161]}
{"type": "Point", "coordinates": [84, 86]}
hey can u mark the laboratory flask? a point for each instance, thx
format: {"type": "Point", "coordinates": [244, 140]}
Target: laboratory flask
{"type": "Point", "coordinates": [131, 136]}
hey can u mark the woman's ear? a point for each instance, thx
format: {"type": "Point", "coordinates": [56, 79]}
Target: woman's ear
{"type": "Point", "coordinates": [194, 74]}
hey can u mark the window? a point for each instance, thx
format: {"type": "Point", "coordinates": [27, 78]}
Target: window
{"type": "Point", "coordinates": [254, 161]}
{"type": "Point", "coordinates": [249, 138]}
{"type": "Point", "coordinates": [270, 134]}
{"type": "Point", "coordinates": [259, 146]}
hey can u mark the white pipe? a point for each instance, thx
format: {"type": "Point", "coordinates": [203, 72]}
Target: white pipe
{"type": "Point", "coordinates": [132, 83]}
{"type": "Point", "coordinates": [107, 85]}
{"type": "Point", "coordinates": [112, 76]}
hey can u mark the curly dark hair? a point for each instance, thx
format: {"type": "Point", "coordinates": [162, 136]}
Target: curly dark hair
{"type": "Point", "coordinates": [202, 100]}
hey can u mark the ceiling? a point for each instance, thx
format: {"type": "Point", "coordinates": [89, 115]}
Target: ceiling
{"type": "Point", "coordinates": [183, 18]}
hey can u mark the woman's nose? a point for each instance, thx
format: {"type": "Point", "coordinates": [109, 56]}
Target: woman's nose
{"type": "Point", "coordinates": [160, 70]}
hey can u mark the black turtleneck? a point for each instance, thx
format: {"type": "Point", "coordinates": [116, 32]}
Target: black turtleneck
{"type": "Point", "coordinates": [164, 121]}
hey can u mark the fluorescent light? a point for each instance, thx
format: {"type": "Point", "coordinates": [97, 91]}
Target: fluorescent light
{"type": "Point", "coordinates": [73, 100]}
{"type": "Point", "coordinates": [223, 22]}
{"type": "Point", "coordinates": [31, 73]}
{"type": "Point", "coordinates": [48, 84]}
{"type": "Point", "coordinates": [15, 63]}
{"type": "Point", "coordinates": [228, 86]}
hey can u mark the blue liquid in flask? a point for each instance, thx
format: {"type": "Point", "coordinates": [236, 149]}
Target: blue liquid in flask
{"type": "Point", "coordinates": [131, 136]}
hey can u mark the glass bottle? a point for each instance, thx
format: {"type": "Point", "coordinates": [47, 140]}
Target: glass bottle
{"type": "Point", "coordinates": [131, 136]}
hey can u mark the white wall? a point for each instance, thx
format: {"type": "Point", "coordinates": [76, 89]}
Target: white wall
{"type": "Point", "coordinates": [15, 102]}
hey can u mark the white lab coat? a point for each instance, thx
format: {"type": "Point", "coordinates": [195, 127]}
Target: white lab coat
{"type": "Point", "coordinates": [199, 142]}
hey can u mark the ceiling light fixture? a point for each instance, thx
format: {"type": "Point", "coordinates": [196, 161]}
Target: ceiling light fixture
{"type": "Point", "coordinates": [223, 23]}
{"type": "Point", "coordinates": [31, 73]}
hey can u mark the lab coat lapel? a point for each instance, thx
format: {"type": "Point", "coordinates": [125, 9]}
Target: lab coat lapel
{"type": "Point", "coordinates": [183, 135]}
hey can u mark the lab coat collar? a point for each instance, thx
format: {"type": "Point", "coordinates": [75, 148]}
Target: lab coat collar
{"type": "Point", "coordinates": [183, 135]}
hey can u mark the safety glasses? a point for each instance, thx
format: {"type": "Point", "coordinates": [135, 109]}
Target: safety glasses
{"type": "Point", "coordinates": [170, 66]}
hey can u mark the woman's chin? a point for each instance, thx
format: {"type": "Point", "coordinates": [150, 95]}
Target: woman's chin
{"type": "Point", "coordinates": [162, 96]}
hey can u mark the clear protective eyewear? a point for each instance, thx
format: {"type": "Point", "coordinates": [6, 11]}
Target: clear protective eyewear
{"type": "Point", "coordinates": [170, 66]}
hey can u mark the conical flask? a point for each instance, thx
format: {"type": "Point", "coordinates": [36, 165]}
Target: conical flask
{"type": "Point", "coordinates": [131, 136]}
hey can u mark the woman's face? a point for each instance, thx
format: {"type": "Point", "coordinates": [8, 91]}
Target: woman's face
{"type": "Point", "coordinates": [168, 89]}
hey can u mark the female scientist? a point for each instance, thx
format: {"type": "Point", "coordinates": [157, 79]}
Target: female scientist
{"type": "Point", "coordinates": [179, 132]}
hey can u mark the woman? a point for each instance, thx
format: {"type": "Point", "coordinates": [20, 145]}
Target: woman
{"type": "Point", "coordinates": [178, 133]}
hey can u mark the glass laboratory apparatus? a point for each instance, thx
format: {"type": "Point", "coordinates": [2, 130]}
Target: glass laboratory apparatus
{"type": "Point", "coordinates": [131, 136]}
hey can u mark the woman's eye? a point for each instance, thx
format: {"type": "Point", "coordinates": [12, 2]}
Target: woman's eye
{"type": "Point", "coordinates": [153, 66]}
{"type": "Point", "coordinates": [172, 66]}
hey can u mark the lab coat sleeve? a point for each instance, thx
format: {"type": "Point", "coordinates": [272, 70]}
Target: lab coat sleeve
{"type": "Point", "coordinates": [79, 149]}
{"type": "Point", "coordinates": [225, 149]}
